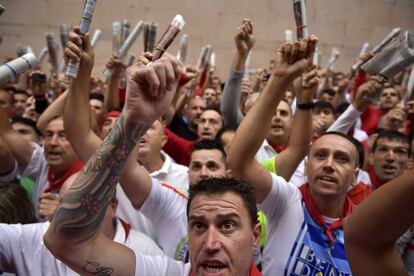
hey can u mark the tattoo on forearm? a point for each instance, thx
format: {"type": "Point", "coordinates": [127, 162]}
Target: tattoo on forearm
{"type": "Point", "coordinates": [83, 207]}
{"type": "Point", "coordinates": [97, 269]}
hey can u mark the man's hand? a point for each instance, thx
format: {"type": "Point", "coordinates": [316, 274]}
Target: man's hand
{"type": "Point", "coordinates": [116, 65]}
{"type": "Point", "coordinates": [244, 38]}
{"type": "Point", "coordinates": [48, 204]}
{"type": "Point", "coordinates": [395, 118]}
{"type": "Point", "coordinates": [294, 58]}
{"type": "Point", "coordinates": [151, 88]}
{"type": "Point", "coordinates": [74, 50]}
{"type": "Point", "coordinates": [305, 87]}
{"type": "Point", "coordinates": [367, 93]}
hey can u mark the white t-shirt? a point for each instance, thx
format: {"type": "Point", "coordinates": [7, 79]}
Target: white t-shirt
{"type": "Point", "coordinates": [295, 245]}
{"type": "Point", "coordinates": [266, 151]}
{"type": "Point", "coordinates": [160, 266]}
{"type": "Point", "coordinates": [23, 252]}
{"type": "Point", "coordinates": [166, 208]}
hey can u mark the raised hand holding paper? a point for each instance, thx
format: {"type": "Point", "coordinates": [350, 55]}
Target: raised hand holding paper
{"type": "Point", "coordinates": [73, 65]}
{"type": "Point", "coordinates": [17, 66]}
{"type": "Point", "coordinates": [299, 10]}
{"type": "Point", "coordinates": [95, 37]}
{"type": "Point", "coordinates": [168, 37]}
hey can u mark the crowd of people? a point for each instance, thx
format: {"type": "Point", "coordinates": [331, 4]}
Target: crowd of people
{"type": "Point", "coordinates": [164, 168]}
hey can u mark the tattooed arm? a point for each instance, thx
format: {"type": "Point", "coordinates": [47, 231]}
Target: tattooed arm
{"type": "Point", "coordinates": [74, 235]}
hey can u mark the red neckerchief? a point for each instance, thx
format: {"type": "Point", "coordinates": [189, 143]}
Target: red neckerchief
{"type": "Point", "coordinates": [253, 271]}
{"type": "Point", "coordinates": [278, 149]}
{"type": "Point", "coordinates": [313, 211]}
{"type": "Point", "coordinates": [127, 228]}
{"type": "Point", "coordinates": [373, 176]}
{"type": "Point", "coordinates": [55, 184]}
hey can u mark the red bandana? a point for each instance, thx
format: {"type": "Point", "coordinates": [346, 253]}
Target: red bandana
{"type": "Point", "coordinates": [278, 149]}
{"type": "Point", "coordinates": [55, 184]}
{"type": "Point", "coordinates": [373, 176]}
{"type": "Point", "coordinates": [253, 271]}
{"type": "Point", "coordinates": [313, 210]}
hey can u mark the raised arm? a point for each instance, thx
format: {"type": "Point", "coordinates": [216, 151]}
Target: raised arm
{"type": "Point", "coordinates": [230, 100]}
{"type": "Point", "coordinates": [54, 109]}
{"type": "Point", "coordinates": [21, 149]}
{"type": "Point", "coordinates": [74, 235]}
{"type": "Point", "coordinates": [388, 213]}
{"type": "Point", "coordinates": [76, 116]}
{"type": "Point", "coordinates": [301, 133]}
{"type": "Point", "coordinates": [291, 61]}
{"type": "Point", "coordinates": [111, 93]}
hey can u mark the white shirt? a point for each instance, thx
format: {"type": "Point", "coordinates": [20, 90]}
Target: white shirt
{"type": "Point", "coordinates": [166, 208]}
{"type": "Point", "coordinates": [23, 252]}
{"type": "Point", "coordinates": [160, 266]}
{"type": "Point", "coordinates": [37, 169]}
{"type": "Point", "coordinates": [172, 173]}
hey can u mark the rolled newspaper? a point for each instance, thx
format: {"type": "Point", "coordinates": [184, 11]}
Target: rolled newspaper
{"type": "Point", "coordinates": [359, 61]}
{"type": "Point", "coordinates": [116, 36]}
{"type": "Point", "coordinates": [17, 66]}
{"type": "Point", "coordinates": [64, 34]}
{"type": "Point", "coordinates": [288, 35]}
{"type": "Point", "coordinates": [52, 49]}
{"type": "Point", "coordinates": [299, 10]}
{"type": "Point", "coordinates": [123, 51]}
{"type": "Point", "coordinates": [212, 62]}
{"type": "Point", "coordinates": [410, 86]}
{"type": "Point", "coordinates": [2, 9]}
{"type": "Point", "coordinates": [86, 19]}
{"type": "Point", "coordinates": [42, 55]}
{"type": "Point", "coordinates": [95, 37]}
{"type": "Point", "coordinates": [317, 58]}
{"type": "Point", "coordinates": [392, 60]}
{"type": "Point", "coordinates": [334, 57]}
{"type": "Point", "coordinates": [182, 52]}
{"type": "Point", "coordinates": [168, 37]}
{"type": "Point", "coordinates": [151, 36]}
{"type": "Point", "coordinates": [204, 57]}
{"type": "Point", "coordinates": [125, 31]}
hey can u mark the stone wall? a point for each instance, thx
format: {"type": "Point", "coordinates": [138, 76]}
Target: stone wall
{"type": "Point", "coordinates": [345, 24]}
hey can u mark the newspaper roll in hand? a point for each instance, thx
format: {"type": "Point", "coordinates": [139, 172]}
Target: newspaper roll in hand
{"type": "Point", "coordinates": [182, 52]}
{"type": "Point", "coordinates": [360, 61]}
{"type": "Point", "coordinates": [392, 60]}
{"type": "Point", "coordinates": [247, 65]}
{"type": "Point", "coordinates": [10, 70]}
{"type": "Point", "coordinates": [116, 36]}
{"type": "Point", "coordinates": [52, 49]}
{"type": "Point", "coordinates": [317, 58]}
{"type": "Point", "coordinates": [64, 34]}
{"type": "Point", "coordinates": [151, 36]}
{"type": "Point", "coordinates": [299, 10]}
{"type": "Point", "coordinates": [42, 55]}
{"type": "Point", "coordinates": [125, 31]}
{"type": "Point", "coordinates": [86, 19]}
{"type": "Point", "coordinates": [95, 37]}
{"type": "Point", "coordinates": [204, 57]}
{"type": "Point", "coordinates": [288, 36]}
{"type": "Point", "coordinates": [168, 37]}
{"type": "Point", "coordinates": [334, 57]}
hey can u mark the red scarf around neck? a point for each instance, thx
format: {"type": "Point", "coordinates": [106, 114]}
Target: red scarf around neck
{"type": "Point", "coordinates": [278, 149]}
{"type": "Point", "coordinates": [316, 215]}
{"type": "Point", "coordinates": [253, 271]}
{"type": "Point", "coordinates": [374, 178]}
{"type": "Point", "coordinates": [55, 184]}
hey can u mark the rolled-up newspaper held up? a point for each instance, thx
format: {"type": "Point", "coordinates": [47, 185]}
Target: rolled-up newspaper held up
{"type": "Point", "coordinates": [359, 61]}
{"type": "Point", "coordinates": [334, 57]}
{"type": "Point", "coordinates": [212, 62]}
{"type": "Point", "coordinates": [86, 19]}
{"type": "Point", "coordinates": [299, 10]}
{"type": "Point", "coordinates": [151, 36]}
{"type": "Point", "coordinates": [2, 9]}
{"type": "Point", "coordinates": [182, 52]}
{"type": "Point", "coordinates": [288, 36]}
{"type": "Point", "coordinates": [127, 45]}
{"type": "Point", "coordinates": [52, 48]}
{"type": "Point", "coordinates": [168, 37]}
{"type": "Point", "coordinates": [410, 86]}
{"type": "Point", "coordinates": [42, 55]}
{"type": "Point", "coordinates": [64, 34]}
{"type": "Point", "coordinates": [317, 58]}
{"type": "Point", "coordinates": [394, 33]}
{"type": "Point", "coordinates": [95, 37]}
{"type": "Point", "coordinates": [392, 60]}
{"type": "Point", "coordinates": [17, 66]}
{"type": "Point", "coordinates": [204, 57]}
{"type": "Point", "coordinates": [116, 36]}
{"type": "Point", "coordinates": [125, 31]}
